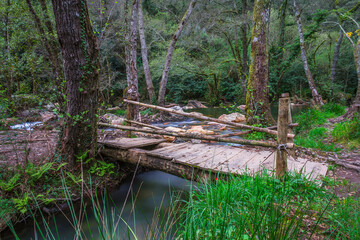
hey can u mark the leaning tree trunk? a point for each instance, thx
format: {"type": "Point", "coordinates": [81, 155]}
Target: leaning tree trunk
{"type": "Point", "coordinates": [315, 94]}
{"type": "Point", "coordinates": [149, 84]}
{"type": "Point", "coordinates": [79, 48]}
{"type": "Point", "coordinates": [164, 79]}
{"type": "Point", "coordinates": [257, 96]}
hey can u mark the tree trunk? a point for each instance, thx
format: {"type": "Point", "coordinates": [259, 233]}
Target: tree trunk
{"type": "Point", "coordinates": [127, 43]}
{"type": "Point", "coordinates": [245, 45]}
{"type": "Point", "coordinates": [9, 81]}
{"type": "Point", "coordinates": [257, 96]}
{"type": "Point", "coordinates": [133, 88]}
{"type": "Point", "coordinates": [175, 37]}
{"type": "Point", "coordinates": [51, 49]}
{"type": "Point", "coordinates": [336, 56]}
{"type": "Point", "coordinates": [315, 94]}
{"type": "Point", "coordinates": [355, 106]}
{"type": "Point", "coordinates": [79, 49]}
{"type": "Point", "coordinates": [149, 84]}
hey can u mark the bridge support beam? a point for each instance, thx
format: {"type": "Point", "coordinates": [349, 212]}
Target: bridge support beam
{"type": "Point", "coordinates": [283, 122]}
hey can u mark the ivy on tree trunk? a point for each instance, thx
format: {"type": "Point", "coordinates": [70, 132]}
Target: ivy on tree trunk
{"type": "Point", "coordinates": [79, 48]}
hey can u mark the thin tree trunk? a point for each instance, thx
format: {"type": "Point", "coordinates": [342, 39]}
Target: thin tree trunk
{"type": "Point", "coordinates": [355, 106]}
{"type": "Point", "coordinates": [51, 49]}
{"type": "Point", "coordinates": [149, 83]}
{"type": "Point", "coordinates": [79, 47]}
{"type": "Point", "coordinates": [315, 94]}
{"type": "Point", "coordinates": [336, 56]}
{"type": "Point", "coordinates": [8, 74]}
{"type": "Point", "coordinates": [127, 43]}
{"type": "Point", "coordinates": [164, 79]}
{"type": "Point", "coordinates": [133, 44]}
{"type": "Point", "coordinates": [257, 96]}
{"type": "Point", "coordinates": [134, 85]}
{"type": "Point", "coordinates": [245, 45]}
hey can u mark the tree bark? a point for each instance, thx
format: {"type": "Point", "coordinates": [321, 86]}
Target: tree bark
{"type": "Point", "coordinates": [257, 96]}
{"type": "Point", "coordinates": [175, 37]}
{"type": "Point", "coordinates": [315, 94]}
{"type": "Point", "coordinates": [245, 45]}
{"type": "Point", "coordinates": [133, 88]}
{"type": "Point", "coordinates": [79, 48]}
{"type": "Point", "coordinates": [133, 44]}
{"type": "Point", "coordinates": [336, 56]}
{"type": "Point", "coordinates": [355, 106]}
{"type": "Point", "coordinates": [127, 43]}
{"type": "Point", "coordinates": [8, 75]}
{"type": "Point", "coordinates": [149, 83]}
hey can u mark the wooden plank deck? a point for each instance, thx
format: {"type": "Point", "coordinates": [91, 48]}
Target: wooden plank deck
{"type": "Point", "coordinates": [234, 159]}
{"type": "Point", "coordinates": [206, 157]}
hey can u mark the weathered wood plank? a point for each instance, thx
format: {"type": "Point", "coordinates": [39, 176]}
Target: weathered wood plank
{"type": "Point", "coordinates": [127, 143]}
{"type": "Point", "coordinates": [200, 159]}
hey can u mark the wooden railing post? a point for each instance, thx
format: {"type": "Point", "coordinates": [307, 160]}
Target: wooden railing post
{"type": "Point", "coordinates": [283, 122]}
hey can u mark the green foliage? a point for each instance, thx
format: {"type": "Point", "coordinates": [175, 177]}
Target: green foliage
{"type": "Point", "coordinates": [36, 172]}
{"type": "Point", "coordinates": [348, 132]}
{"type": "Point", "coordinates": [314, 117]}
{"type": "Point", "coordinates": [316, 139]}
{"type": "Point", "coordinates": [100, 168]}
{"type": "Point", "coordinates": [249, 207]}
{"type": "Point", "coordinates": [9, 185]}
{"type": "Point", "coordinates": [21, 204]}
{"type": "Point", "coordinates": [345, 218]}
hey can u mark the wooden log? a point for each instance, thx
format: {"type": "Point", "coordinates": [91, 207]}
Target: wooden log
{"type": "Point", "coordinates": [250, 131]}
{"type": "Point", "coordinates": [283, 122]}
{"type": "Point", "coordinates": [143, 124]}
{"type": "Point", "coordinates": [133, 156]}
{"type": "Point", "coordinates": [239, 125]}
{"type": "Point", "coordinates": [197, 136]}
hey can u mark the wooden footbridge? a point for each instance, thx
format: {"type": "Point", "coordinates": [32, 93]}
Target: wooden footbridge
{"type": "Point", "coordinates": [191, 160]}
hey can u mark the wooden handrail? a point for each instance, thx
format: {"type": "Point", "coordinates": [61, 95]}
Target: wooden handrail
{"type": "Point", "coordinates": [239, 125]}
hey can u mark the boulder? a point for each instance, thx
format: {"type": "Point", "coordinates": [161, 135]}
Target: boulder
{"type": "Point", "coordinates": [112, 119]}
{"type": "Point", "coordinates": [197, 114]}
{"type": "Point", "coordinates": [47, 116]}
{"type": "Point", "coordinates": [233, 117]}
{"type": "Point", "coordinates": [174, 129]}
{"type": "Point", "coordinates": [242, 107]}
{"type": "Point", "coordinates": [199, 129]}
{"type": "Point", "coordinates": [195, 104]}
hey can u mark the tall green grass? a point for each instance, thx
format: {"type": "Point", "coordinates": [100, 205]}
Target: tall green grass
{"type": "Point", "coordinates": [310, 134]}
{"type": "Point", "coordinates": [348, 132]}
{"type": "Point", "coordinates": [251, 207]}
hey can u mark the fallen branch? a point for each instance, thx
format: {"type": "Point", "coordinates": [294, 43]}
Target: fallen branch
{"type": "Point", "coordinates": [198, 136]}
{"type": "Point", "coordinates": [251, 131]}
{"type": "Point", "coordinates": [239, 125]}
{"type": "Point", "coordinates": [143, 124]}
